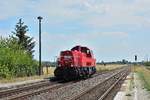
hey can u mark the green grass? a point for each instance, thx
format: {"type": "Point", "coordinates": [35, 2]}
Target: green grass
{"type": "Point", "coordinates": [20, 79]}
{"type": "Point", "coordinates": [108, 67]}
{"type": "Point", "coordinates": [146, 84]}
{"type": "Point", "coordinates": [144, 75]}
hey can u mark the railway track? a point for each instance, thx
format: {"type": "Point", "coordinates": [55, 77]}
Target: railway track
{"type": "Point", "coordinates": [21, 93]}
{"type": "Point", "coordinates": [23, 96]}
{"type": "Point", "coordinates": [101, 90]}
{"type": "Point", "coordinates": [20, 89]}
{"type": "Point", "coordinates": [25, 92]}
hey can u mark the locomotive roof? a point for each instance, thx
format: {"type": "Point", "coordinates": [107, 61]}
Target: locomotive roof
{"type": "Point", "coordinates": [78, 46]}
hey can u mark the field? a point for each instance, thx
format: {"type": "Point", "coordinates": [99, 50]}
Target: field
{"type": "Point", "coordinates": [50, 70]}
{"type": "Point", "coordinates": [108, 67]}
{"type": "Point", "coordinates": [144, 74]}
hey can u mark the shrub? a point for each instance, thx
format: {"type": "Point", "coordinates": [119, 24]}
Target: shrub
{"type": "Point", "coordinates": [15, 62]}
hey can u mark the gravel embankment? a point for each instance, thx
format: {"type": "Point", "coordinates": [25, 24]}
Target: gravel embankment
{"type": "Point", "coordinates": [71, 90]}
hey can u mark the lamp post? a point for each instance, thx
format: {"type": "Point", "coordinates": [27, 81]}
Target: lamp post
{"type": "Point", "coordinates": [39, 18]}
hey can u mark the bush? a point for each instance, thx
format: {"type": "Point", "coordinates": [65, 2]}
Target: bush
{"type": "Point", "coordinates": [147, 63]}
{"type": "Point", "coordinates": [15, 62]}
{"type": "Point", "coordinates": [4, 71]}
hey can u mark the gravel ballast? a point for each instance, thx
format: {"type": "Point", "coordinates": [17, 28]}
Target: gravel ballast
{"type": "Point", "coordinates": [69, 91]}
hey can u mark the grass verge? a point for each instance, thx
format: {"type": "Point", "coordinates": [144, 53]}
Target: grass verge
{"type": "Point", "coordinates": [20, 79]}
{"type": "Point", "coordinates": [108, 67]}
{"type": "Point", "coordinates": [144, 75]}
{"type": "Point", "coordinates": [47, 72]}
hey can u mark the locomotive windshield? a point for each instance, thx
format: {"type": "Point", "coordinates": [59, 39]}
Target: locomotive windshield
{"type": "Point", "coordinates": [76, 48]}
{"type": "Point", "coordinates": [85, 50]}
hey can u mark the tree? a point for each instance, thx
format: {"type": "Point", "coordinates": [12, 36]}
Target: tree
{"type": "Point", "coordinates": [24, 40]}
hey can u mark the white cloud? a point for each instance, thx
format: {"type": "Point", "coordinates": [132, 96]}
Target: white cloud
{"type": "Point", "coordinates": [97, 14]}
{"type": "Point", "coordinates": [120, 13]}
{"type": "Point", "coordinates": [93, 13]}
{"type": "Point", "coordinates": [12, 8]}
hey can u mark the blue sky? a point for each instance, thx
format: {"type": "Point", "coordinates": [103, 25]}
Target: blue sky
{"type": "Point", "coordinates": [113, 29]}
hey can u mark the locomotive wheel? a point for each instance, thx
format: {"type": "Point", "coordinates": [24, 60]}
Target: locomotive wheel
{"type": "Point", "coordinates": [83, 74]}
{"type": "Point", "coordinates": [58, 73]}
{"type": "Point", "coordinates": [71, 73]}
{"type": "Point", "coordinates": [67, 75]}
{"type": "Point", "coordinates": [77, 73]}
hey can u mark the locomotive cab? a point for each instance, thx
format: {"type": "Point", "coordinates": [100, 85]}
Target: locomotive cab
{"type": "Point", "coordinates": [85, 50]}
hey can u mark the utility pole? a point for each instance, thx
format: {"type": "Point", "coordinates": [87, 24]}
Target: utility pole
{"type": "Point", "coordinates": [39, 18]}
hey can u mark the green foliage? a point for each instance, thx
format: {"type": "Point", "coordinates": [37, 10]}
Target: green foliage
{"type": "Point", "coordinates": [14, 61]}
{"type": "Point", "coordinates": [147, 63]}
{"type": "Point", "coordinates": [25, 41]}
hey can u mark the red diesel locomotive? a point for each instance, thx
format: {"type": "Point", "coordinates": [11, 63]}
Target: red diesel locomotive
{"type": "Point", "coordinates": [78, 62]}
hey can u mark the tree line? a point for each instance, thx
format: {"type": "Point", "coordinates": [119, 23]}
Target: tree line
{"type": "Point", "coordinates": [16, 53]}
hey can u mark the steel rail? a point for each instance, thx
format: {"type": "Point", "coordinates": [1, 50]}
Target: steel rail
{"type": "Point", "coordinates": [90, 89]}
{"type": "Point", "coordinates": [39, 91]}
{"type": "Point", "coordinates": [109, 89]}
{"type": "Point", "coordinates": [32, 93]}
{"type": "Point", "coordinates": [23, 88]}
